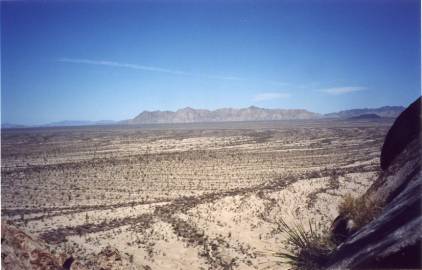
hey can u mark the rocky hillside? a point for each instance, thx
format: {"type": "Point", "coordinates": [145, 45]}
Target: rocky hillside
{"type": "Point", "coordinates": [189, 115]}
{"type": "Point", "coordinates": [394, 238]}
{"type": "Point", "coordinates": [21, 251]}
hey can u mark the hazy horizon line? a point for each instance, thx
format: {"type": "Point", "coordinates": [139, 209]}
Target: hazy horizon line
{"type": "Point", "coordinates": [185, 107]}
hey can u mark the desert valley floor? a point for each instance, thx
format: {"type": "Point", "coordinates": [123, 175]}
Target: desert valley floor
{"type": "Point", "coordinates": [188, 196]}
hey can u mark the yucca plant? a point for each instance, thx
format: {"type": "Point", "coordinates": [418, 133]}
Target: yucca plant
{"type": "Point", "coordinates": [307, 249]}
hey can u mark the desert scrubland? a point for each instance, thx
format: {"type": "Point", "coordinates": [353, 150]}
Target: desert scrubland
{"type": "Point", "coordinates": [187, 196]}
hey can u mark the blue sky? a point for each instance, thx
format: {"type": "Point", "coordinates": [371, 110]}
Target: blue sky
{"type": "Point", "coordinates": [91, 60]}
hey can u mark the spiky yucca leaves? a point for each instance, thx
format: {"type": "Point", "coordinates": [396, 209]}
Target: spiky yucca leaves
{"type": "Point", "coordinates": [307, 249]}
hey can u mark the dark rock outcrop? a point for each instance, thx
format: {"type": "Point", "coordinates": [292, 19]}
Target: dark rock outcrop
{"type": "Point", "coordinates": [68, 263]}
{"type": "Point", "coordinates": [406, 128]}
{"type": "Point", "coordinates": [393, 239]}
{"type": "Point", "coordinates": [341, 228]}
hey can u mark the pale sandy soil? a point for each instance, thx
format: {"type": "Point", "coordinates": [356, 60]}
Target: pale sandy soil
{"type": "Point", "coordinates": [206, 197]}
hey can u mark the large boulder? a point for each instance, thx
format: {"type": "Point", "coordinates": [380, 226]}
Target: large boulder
{"type": "Point", "coordinates": [394, 238]}
{"type": "Point", "coordinates": [406, 128]}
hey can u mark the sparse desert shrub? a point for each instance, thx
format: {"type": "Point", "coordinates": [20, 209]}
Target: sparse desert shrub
{"type": "Point", "coordinates": [361, 210]}
{"type": "Point", "coordinates": [307, 249]}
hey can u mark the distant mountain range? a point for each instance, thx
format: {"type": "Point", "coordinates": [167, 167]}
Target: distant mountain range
{"type": "Point", "coordinates": [368, 116]}
{"type": "Point", "coordinates": [71, 123]}
{"type": "Point", "coordinates": [9, 125]}
{"type": "Point", "coordinates": [252, 113]}
{"type": "Point", "coordinates": [189, 115]}
{"type": "Point", "coordinates": [67, 123]}
{"type": "Point", "coordinates": [386, 111]}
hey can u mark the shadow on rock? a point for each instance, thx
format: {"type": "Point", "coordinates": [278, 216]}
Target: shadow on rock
{"type": "Point", "coordinates": [393, 239]}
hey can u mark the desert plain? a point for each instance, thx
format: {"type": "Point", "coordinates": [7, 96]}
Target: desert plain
{"type": "Point", "coordinates": [184, 196]}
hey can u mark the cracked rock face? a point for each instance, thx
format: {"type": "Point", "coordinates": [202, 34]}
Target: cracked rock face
{"type": "Point", "coordinates": [21, 251]}
{"type": "Point", "coordinates": [394, 238]}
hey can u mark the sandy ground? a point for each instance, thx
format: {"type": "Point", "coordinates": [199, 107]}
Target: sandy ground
{"type": "Point", "coordinates": [201, 197]}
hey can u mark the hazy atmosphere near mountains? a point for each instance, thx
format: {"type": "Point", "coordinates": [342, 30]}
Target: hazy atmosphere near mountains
{"type": "Point", "coordinates": [84, 60]}
{"type": "Point", "coordinates": [211, 135]}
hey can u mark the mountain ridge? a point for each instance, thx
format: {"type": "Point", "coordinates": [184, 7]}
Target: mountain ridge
{"type": "Point", "coordinates": [190, 115]}
{"type": "Point", "coordinates": [384, 111]}
{"type": "Point", "coordinates": [253, 113]}
{"type": "Point", "coordinates": [226, 114]}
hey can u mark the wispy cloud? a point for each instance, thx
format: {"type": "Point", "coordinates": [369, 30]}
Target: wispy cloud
{"type": "Point", "coordinates": [270, 96]}
{"type": "Point", "coordinates": [143, 67]}
{"type": "Point", "coordinates": [343, 90]}
{"type": "Point", "coordinates": [230, 78]}
{"type": "Point", "coordinates": [278, 83]}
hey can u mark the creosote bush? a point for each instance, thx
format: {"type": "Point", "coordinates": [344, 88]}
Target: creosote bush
{"type": "Point", "coordinates": [361, 210]}
{"type": "Point", "coordinates": [307, 249]}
